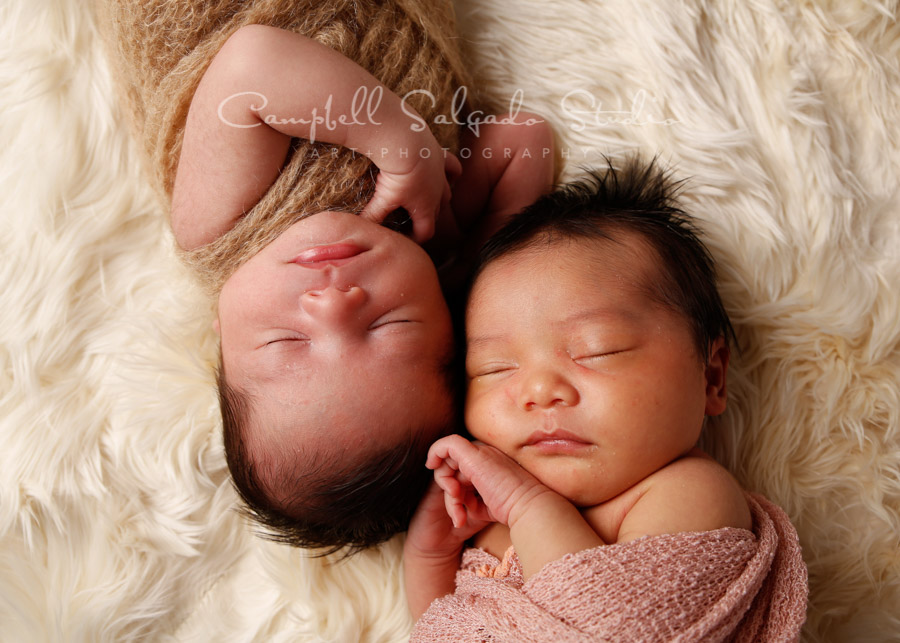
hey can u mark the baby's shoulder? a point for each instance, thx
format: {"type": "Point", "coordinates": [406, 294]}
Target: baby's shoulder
{"type": "Point", "coordinates": [693, 493]}
{"type": "Point", "coordinates": [696, 471]}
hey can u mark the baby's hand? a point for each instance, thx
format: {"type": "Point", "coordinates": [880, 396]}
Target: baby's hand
{"type": "Point", "coordinates": [432, 550]}
{"type": "Point", "coordinates": [480, 483]}
{"type": "Point", "coordinates": [432, 534]}
{"type": "Point", "coordinates": [422, 191]}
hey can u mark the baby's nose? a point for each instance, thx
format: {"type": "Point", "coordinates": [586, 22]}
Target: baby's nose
{"type": "Point", "coordinates": [334, 303]}
{"type": "Point", "coordinates": [544, 389]}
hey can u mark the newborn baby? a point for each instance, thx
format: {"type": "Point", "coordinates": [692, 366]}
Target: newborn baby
{"type": "Point", "coordinates": [597, 345]}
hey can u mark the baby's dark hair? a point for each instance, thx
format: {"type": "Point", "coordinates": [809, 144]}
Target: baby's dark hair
{"type": "Point", "coordinates": [639, 198]}
{"type": "Point", "coordinates": [333, 503]}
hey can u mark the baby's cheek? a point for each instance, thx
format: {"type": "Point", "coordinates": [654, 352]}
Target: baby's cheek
{"type": "Point", "coordinates": [481, 419]}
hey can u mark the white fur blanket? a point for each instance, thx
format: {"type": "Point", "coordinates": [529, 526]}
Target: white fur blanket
{"type": "Point", "coordinates": [116, 515]}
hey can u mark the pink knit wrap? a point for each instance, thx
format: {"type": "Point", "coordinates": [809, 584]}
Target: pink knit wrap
{"type": "Point", "coordinates": [723, 585]}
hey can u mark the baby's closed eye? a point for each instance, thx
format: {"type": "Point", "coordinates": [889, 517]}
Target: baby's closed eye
{"type": "Point", "coordinates": [383, 323]}
{"type": "Point", "coordinates": [598, 356]}
{"type": "Point", "coordinates": [294, 337]}
{"type": "Point", "coordinates": [393, 318]}
{"type": "Point", "coordinates": [490, 368]}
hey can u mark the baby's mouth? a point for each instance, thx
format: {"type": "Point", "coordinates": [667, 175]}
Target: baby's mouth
{"type": "Point", "coordinates": [335, 254]}
{"type": "Point", "coordinates": [557, 442]}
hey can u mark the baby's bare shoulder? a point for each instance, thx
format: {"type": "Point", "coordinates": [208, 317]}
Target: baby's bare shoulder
{"type": "Point", "coordinates": [694, 493]}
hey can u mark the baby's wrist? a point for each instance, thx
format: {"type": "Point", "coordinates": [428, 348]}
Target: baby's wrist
{"type": "Point", "coordinates": [540, 505]}
{"type": "Point", "coordinates": [427, 544]}
{"type": "Point", "coordinates": [404, 152]}
{"type": "Point", "coordinates": [433, 558]}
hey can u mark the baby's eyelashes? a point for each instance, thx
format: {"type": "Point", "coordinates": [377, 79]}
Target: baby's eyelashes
{"type": "Point", "coordinates": [388, 323]}
{"type": "Point", "coordinates": [594, 359]}
{"type": "Point", "coordinates": [487, 370]}
{"type": "Point", "coordinates": [389, 318]}
{"type": "Point", "coordinates": [283, 340]}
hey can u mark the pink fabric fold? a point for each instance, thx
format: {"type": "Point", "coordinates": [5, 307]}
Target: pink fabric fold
{"type": "Point", "coordinates": [724, 585]}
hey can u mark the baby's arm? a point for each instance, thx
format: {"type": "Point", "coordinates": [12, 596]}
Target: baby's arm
{"type": "Point", "coordinates": [479, 482]}
{"type": "Point", "coordinates": [432, 551]}
{"type": "Point", "coordinates": [264, 87]}
{"type": "Point", "coordinates": [506, 166]}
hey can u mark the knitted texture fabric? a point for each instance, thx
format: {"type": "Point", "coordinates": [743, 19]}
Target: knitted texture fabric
{"type": "Point", "coordinates": [723, 585]}
{"type": "Point", "coordinates": [162, 49]}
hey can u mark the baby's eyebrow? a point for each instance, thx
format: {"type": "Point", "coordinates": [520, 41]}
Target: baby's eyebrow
{"type": "Point", "coordinates": [601, 312]}
{"type": "Point", "coordinates": [482, 340]}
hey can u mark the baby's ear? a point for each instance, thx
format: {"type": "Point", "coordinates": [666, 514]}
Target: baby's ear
{"type": "Point", "coordinates": [216, 326]}
{"type": "Point", "coordinates": [716, 376]}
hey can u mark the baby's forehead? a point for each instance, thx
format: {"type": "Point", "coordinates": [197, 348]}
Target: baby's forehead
{"type": "Point", "coordinates": [630, 255]}
{"type": "Point", "coordinates": [329, 428]}
{"type": "Point", "coordinates": [619, 281]}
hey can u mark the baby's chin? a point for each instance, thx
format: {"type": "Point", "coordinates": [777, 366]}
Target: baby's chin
{"type": "Point", "coordinates": [574, 482]}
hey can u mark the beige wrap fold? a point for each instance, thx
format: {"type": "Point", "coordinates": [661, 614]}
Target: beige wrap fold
{"type": "Point", "coordinates": [161, 49]}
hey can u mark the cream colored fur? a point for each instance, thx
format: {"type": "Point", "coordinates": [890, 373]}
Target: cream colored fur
{"type": "Point", "coordinates": [117, 520]}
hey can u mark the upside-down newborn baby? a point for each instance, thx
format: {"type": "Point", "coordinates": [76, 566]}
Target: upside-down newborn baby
{"type": "Point", "coordinates": [336, 340]}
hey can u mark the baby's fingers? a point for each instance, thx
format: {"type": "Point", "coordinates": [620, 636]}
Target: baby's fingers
{"type": "Point", "coordinates": [476, 510]}
{"type": "Point", "coordinates": [452, 168]}
{"type": "Point", "coordinates": [456, 509]}
{"type": "Point", "coordinates": [446, 479]}
{"type": "Point", "coordinates": [448, 449]}
{"type": "Point", "coordinates": [378, 207]}
{"type": "Point", "coordinates": [439, 454]}
{"type": "Point", "coordinates": [423, 223]}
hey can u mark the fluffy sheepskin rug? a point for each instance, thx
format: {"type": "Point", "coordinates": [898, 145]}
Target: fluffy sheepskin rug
{"type": "Point", "coordinates": [117, 520]}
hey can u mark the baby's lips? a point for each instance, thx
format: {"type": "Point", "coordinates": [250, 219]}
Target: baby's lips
{"type": "Point", "coordinates": [557, 442]}
{"type": "Point", "coordinates": [556, 434]}
{"type": "Point", "coordinates": [330, 252]}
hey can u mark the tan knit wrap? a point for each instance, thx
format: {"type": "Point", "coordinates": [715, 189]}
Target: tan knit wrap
{"type": "Point", "coordinates": [161, 49]}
